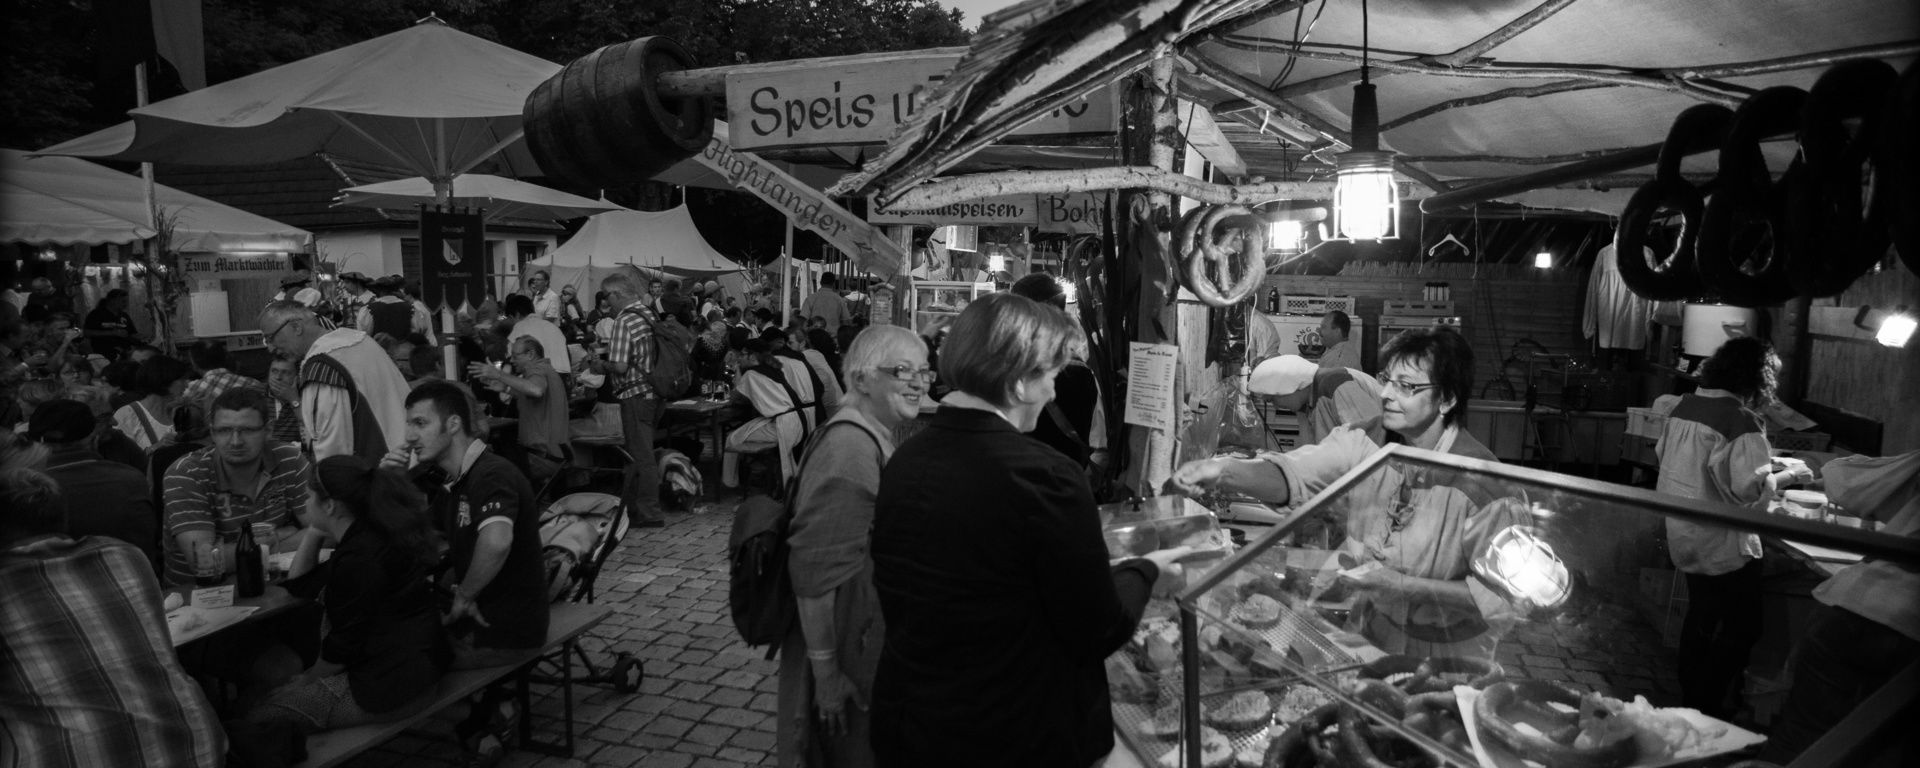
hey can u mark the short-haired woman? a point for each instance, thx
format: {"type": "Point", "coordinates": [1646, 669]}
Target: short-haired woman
{"type": "Point", "coordinates": [828, 661]}
{"type": "Point", "coordinates": [999, 601]}
{"type": "Point", "coordinates": [384, 650]}
{"type": "Point", "coordinates": [1424, 525]}
{"type": "Point", "coordinates": [1715, 447]}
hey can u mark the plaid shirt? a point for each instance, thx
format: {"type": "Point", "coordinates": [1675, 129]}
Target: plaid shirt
{"type": "Point", "coordinates": [217, 381]}
{"type": "Point", "coordinates": [88, 675]}
{"type": "Point", "coordinates": [632, 343]}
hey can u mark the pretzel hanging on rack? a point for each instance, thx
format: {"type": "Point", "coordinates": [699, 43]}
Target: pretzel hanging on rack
{"type": "Point", "coordinates": [1208, 260]}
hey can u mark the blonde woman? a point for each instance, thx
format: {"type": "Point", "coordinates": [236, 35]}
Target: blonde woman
{"type": "Point", "coordinates": [828, 661]}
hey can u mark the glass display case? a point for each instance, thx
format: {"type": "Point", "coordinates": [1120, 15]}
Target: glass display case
{"type": "Point", "coordinates": [1428, 609]}
{"type": "Point", "coordinates": [937, 302]}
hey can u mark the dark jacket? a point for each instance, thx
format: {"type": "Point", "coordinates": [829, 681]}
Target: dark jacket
{"type": "Point", "coordinates": [106, 498]}
{"type": "Point", "coordinates": [383, 622]}
{"type": "Point", "coordinates": [515, 602]}
{"type": "Point", "coordinates": [1075, 393]}
{"type": "Point", "coordinates": [999, 602]}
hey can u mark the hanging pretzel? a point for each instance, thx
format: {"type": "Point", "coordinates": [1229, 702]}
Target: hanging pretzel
{"type": "Point", "coordinates": [1201, 250]}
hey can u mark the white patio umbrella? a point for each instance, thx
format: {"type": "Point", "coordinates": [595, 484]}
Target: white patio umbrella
{"type": "Point", "coordinates": [429, 99]}
{"type": "Point", "coordinates": [500, 198]}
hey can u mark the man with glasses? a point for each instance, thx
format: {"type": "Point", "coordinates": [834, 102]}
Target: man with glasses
{"type": "Point", "coordinates": [1422, 528]}
{"type": "Point", "coordinates": [283, 382]}
{"type": "Point", "coordinates": [240, 479]}
{"type": "Point", "coordinates": [351, 393]}
{"type": "Point", "coordinates": [546, 302]}
{"type": "Point", "coordinates": [539, 396]}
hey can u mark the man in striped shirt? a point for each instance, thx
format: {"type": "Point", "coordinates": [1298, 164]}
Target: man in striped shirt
{"type": "Point", "coordinates": [629, 361]}
{"type": "Point", "coordinates": [88, 675]}
{"type": "Point", "coordinates": [237, 481]}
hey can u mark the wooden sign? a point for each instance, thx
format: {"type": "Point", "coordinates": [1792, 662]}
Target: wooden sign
{"type": "Point", "coordinates": [861, 102]}
{"type": "Point", "coordinates": [1013, 209]}
{"type": "Point", "coordinates": [806, 207]}
{"type": "Point", "coordinates": [215, 267]}
{"type": "Point", "coordinates": [1079, 213]}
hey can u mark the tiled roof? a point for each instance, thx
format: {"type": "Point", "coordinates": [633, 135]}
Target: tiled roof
{"type": "Point", "coordinates": [301, 193]}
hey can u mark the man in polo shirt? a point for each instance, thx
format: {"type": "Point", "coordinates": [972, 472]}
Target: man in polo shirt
{"type": "Point", "coordinates": [630, 361]}
{"type": "Point", "coordinates": [239, 480]}
{"type": "Point", "coordinates": [486, 509]}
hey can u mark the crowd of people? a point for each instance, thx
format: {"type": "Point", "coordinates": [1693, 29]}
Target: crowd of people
{"type": "Point", "coordinates": [124, 463]}
{"type": "Point", "coordinates": [955, 596]}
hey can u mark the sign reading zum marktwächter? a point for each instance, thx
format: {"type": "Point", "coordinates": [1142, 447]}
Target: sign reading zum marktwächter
{"type": "Point", "coordinates": [212, 267]}
{"type": "Point", "coordinates": [861, 102]}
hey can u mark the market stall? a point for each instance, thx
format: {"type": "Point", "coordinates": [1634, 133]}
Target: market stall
{"type": "Point", "coordinates": [95, 224]}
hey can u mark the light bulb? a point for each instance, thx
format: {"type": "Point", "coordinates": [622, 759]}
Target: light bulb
{"type": "Point", "coordinates": [1068, 289]}
{"type": "Point", "coordinates": [1286, 235]}
{"type": "Point", "coordinates": [996, 263]}
{"type": "Point", "coordinates": [1543, 260]}
{"type": "Point", "coordinates": [1895, 330]}
{"type": "Point", "coordinates": [1365, 199]}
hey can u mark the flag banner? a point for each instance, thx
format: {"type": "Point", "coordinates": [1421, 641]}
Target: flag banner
{"type": "Point", "coordinates": [453, 260]}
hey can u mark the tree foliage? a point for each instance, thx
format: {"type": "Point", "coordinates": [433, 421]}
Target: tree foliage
{"type": "Point", "coordinates": [68, 63]}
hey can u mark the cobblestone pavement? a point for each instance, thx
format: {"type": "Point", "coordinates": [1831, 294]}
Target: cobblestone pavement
{"type": "Point", "coordinates": [707, 700]}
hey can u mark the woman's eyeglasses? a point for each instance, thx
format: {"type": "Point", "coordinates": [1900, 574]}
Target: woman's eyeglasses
{"type": "Point", "coordinates": [1405, 388]}
{"type": "Point", "coordinates": [909, 374]}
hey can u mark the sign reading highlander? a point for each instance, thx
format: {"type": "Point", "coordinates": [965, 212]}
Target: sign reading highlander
{"type": "Point", "coordinates": [861, 102]}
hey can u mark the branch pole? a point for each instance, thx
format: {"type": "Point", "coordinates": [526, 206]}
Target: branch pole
{"type": "Point", "coordinates": [1562, 86]}
{"type": "Point", "coordinates": [939, 192]}
{"type": "Point", "coordinates": [1507, 31]}
{"type": "Point", "coordinates": [1610, 163]}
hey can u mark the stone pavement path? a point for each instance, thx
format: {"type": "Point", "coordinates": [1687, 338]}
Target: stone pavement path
{"type": "Point", "coordinates": [707, 700]}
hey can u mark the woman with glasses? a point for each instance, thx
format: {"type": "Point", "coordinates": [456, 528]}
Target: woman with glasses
{"type": "Point", "coordinates": [828, 661]}
{"type": "Point", "coordinates": [999, 601]}
{"type": "Point", "coordinates": [1410, 535]}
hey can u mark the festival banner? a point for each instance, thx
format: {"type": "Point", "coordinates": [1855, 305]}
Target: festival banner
{"type": "Point", "coordinates": [861, 100]}
{"type": "Point", "coordinates": [808, 208]}
{"type": "Point", "coordinates": [453, 260]}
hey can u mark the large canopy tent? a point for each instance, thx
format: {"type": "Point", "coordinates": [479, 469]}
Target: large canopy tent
{"type": "Point", "coordinates": [1468, 93]}
{"type": "Point", "coordinates": [658, 242]}
{"type": "Point", "coordinates": [64, 201]}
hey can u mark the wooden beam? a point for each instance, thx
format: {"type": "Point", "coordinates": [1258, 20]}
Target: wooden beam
{"type": "Point", "coordinates": [1507, 31]}
{"type": "Point", "coordinates": [1238, 85]}
{"type": "Point", "coordinates": [1204, 135]}
{"type": "Point", "coordinates": [946, 191]}
{"type": "Point", "coordinates": [1486, 98]}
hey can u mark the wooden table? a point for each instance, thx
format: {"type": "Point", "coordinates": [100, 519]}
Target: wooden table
{"type": "Point", "coordinates": [273, 602]}
{"type": "Point", "coordinates": [710, 416]}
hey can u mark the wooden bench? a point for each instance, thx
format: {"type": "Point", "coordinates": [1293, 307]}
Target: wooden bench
{"type": "Point", "coordinates": [567, 623]}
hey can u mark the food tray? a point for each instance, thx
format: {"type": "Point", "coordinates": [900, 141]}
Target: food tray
{"type": "Point", "coordinates": [1298, 631]}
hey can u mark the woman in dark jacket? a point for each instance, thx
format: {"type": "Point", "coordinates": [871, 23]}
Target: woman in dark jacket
{"type": "Point", "coordinates": [384, 649]}
{"type": "Point", "coordinates": [992, 573]}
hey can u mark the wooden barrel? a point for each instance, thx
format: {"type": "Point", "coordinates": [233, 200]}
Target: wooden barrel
{"type": "Point", "coordinates": [602, 122]}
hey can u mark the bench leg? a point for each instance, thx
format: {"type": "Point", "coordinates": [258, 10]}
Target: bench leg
{"type": "Point", "coordinates": [524, 698]}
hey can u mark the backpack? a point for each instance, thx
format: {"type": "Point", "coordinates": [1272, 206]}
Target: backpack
{"type": "Point", "coordinates": [672, 374]}
{"type": "Point", "coordinates": [759, 589]}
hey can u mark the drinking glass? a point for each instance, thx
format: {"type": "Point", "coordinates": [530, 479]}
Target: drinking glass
{"type": "Point", "coordinates": [209, 564]}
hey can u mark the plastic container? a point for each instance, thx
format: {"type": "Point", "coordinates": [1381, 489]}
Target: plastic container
{"type": "Point", "coordinates": [1806, 505]}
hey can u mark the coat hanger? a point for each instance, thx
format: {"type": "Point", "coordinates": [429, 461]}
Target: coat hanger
{"type": "Point", "coordinates": [1466, 251]}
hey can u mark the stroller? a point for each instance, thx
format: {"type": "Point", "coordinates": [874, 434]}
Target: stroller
{"type": "Point", "coordinates": [578, 532]}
